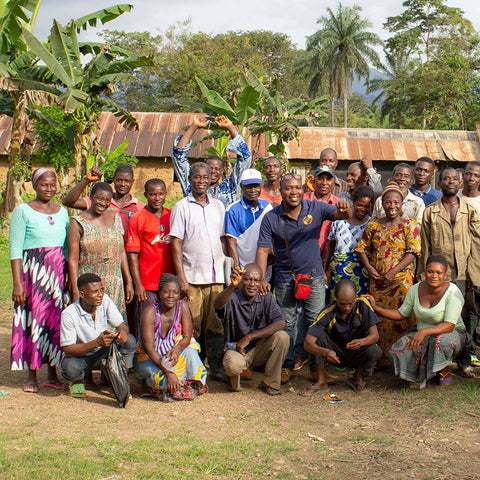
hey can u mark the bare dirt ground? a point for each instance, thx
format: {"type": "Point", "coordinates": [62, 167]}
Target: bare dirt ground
{"type": "Point", "coordinates": [391, 432]}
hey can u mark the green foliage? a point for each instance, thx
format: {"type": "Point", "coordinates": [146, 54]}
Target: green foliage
{"type": "Point", "coordinates": [49, 125]}
{"type": "Point", "coordinates": [218, 60]}
{"type": "Point", "coordinates": [112, 159]}
{"type": "Point", "coordinates": [339, 50]}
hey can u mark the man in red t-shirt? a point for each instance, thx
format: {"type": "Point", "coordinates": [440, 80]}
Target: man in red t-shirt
{"type": "Point", "coordinates": [149, 245]}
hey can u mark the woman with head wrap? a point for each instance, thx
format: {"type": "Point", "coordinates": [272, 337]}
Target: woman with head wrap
{"type": "Point", "coordinates": [387, 248]}
{"type": "Point", "coordinates": [37, 237]}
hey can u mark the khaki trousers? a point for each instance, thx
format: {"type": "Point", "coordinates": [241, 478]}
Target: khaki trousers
{"type": "Point", "coordinates": [203, 314]}
{"type": "Point", "coordinates": [270, 351]}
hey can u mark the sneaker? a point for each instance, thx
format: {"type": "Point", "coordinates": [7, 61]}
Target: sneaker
{"type": "Point", "coordinates": [287, 374]}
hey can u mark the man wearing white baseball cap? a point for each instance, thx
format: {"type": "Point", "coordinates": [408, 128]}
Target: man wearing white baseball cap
{"type": "Point", "coordinates": [243, 219]}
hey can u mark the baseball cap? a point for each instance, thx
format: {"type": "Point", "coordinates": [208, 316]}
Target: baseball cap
{"type": "Point", "coordinates": [324, 169]}
{"type": "Point", "coordinates": [250, 176]}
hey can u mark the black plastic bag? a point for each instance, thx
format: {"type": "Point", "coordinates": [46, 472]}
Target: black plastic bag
{"type": "Point", "coordinates": [114, 368]}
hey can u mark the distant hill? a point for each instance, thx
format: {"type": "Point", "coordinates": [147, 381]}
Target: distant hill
{"type": "Point", "coordinates": [359, 87]}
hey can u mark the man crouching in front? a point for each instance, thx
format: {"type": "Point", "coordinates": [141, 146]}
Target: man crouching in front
{"type": "Point", "coordinates": [85, 333]}
{"type": "Point", "coordinates": [345, 333]}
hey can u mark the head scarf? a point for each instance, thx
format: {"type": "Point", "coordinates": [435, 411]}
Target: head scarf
{"type": "Point", "coordinates": [393, 187]}
{"type": "Point", "coordinates": [39, 172]}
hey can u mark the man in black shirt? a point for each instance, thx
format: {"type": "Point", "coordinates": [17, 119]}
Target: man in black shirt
{"type": "Point", "coordinates": [344, 333]}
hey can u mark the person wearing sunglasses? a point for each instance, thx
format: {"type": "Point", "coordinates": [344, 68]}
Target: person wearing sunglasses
{"type": "Point", "coordinates": [38, 231]}
{"type": "Point", "coordinates": [293, 229]}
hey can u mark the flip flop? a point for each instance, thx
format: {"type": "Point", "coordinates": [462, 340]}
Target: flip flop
{"type": "Point", "coordinates": [313, 390]}
{"type": "Point", "coordinates": [269, 390]}
{"type": "Point", "coordinates": [30, 388]}
{"type": "Point", "coordinates": [77, 390]}
{"type": "Point", "coordinates": [56, 385]}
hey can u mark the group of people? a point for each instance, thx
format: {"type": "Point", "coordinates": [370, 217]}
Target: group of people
{"type": "Point", "coordinates": [248, 271]}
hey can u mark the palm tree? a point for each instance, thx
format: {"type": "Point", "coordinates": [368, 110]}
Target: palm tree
{"type": "Point", "coordinates": [339, 50]}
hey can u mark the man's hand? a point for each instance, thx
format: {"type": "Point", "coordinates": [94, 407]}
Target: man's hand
{"type": "Point", "coordinates": [140, 293]}
{"type": "Point", "coordinates": [94, 175]}
{"type": "Point", "coordinates": [129, 292]}
{"type": "Point", "coordinates": [223, 122]}
{"type": "Point", "coordinates": [242, 344]}
{"type": "Point", "coordinates": [236, 276]}
{"type": "Point", "coordinates": [366, 163]}
{"type": "Point", "coordinates": [172, 382]}
{"type": "Point", "coordinates": [265, 287]}
{"type": "Point", "coordinates": [332, 357]}
{"type": "Point", "coordinates": [343, 206]}
{"type": "Point", "coordinates": [414, 343]}
{"type": "Point", "coordinates": [201, 122]}
{"type": "Point", "coordinates": [185, 289]}
{"type": "Point", "coordinates": [122, 337]}
{"type": "Point", "coordinates": [355, 344]}
{"type": "Point", "coordinates": [105, 339]}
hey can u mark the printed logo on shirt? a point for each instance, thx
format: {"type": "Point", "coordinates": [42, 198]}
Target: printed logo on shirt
{"type": "Point", "coordinates": [307, 220]}
{"type": "Point", "coordinates": [161, 238]}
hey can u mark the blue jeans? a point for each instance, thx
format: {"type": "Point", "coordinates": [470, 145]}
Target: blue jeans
{"type": "Point", "coordinates": [74, 368]}
{"type": "Point", "coordinates": [299, 314]}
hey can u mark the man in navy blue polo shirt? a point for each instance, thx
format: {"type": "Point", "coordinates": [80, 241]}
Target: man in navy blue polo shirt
{"type": "Point", "coordinates": [423, 173]}
{"type": "Point", "coordinates": [302, 220]}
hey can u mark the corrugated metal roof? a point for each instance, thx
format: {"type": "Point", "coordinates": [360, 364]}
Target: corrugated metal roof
{"type": "Point", "coordinates": [157, 131]}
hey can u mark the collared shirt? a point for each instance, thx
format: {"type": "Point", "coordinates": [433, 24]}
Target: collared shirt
{"type": "Point", "coordinates": [356, 326]}
{"type": "Point", "coordinates": [374, 181]}
{"type": "Point", "coordinates": [200, 227]}
{"type": "Point", "coordinates": [227, 191]}
{"type": "Point", "coordinates": [460, 244]}
{"type": "Point", "coordinates": [340, 186]}
{"type": "Point", "coordinates": [149, 236]}
{"type": "Point", "coordinates": [78, 326]}
{"type": "Point", "coordinates": [429, 196]}
{"type": "Point", "coordinates": [240, 317]}
{"type": "Point", "coordinates": [302, 234]}
{"type": "Point", "coordinates": [412, 208]}
{"type": "Point", "coordinates": [126, 212]}
{"type": "Point", "coordinates": [475, 201]}
{"type": "Point", "coordinates": [327, 225]}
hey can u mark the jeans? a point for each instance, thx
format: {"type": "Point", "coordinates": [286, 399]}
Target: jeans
{"type": "Point", "coordinates": [74, 368]}
{"type": "Point", "coordinates": [299, 314]}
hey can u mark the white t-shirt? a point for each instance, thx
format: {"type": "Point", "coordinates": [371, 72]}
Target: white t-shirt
{"type": "Point", "coordinates": [200, 228]}
{"type": "Point", "coordinates": [78, 326]}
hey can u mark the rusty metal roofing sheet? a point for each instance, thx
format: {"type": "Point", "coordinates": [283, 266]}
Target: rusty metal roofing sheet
{"type": "Point", "coordinates": [157, 132]}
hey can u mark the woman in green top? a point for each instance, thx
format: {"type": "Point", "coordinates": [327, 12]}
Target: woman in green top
{"type": "Point", "coordinates": [440, 332]}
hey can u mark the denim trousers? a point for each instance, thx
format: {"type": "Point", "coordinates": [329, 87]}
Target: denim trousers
{"type": "Point", "coordinates": [299, 314]}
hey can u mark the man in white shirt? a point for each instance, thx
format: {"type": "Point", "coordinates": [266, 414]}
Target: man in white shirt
{"type": "Point", "coordinates": [197, 229]}
{"type": "Point", "coordinates": [87, 330]}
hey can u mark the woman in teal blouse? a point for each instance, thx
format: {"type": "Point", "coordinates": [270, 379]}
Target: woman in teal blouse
{"type": "Point", "coordinates": [440, 333]}
{"type": "Point", "coordinates": [37, 236]}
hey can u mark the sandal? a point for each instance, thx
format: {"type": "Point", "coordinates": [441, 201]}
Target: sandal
{"type": "Point", "coordinates": [57, 385]}
{"type": "Point", "coordinates": [468, 372]}
{"type": "Point", "coordinates": [30, 388]}
{"type": "Point", "coordinates": [77, 390]}
{"type": "Point", "coordinates": [313, 390]}
{"type": "Point", "coordinates": [356, 386]}
{"type": "Point", "coordinates": [445, 378]}
{"type": "Point", "coordinates": [269, 390]}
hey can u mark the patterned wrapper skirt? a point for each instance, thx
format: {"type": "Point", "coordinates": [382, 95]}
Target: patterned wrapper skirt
{"type": "Point", "coordinates": [36, 324]}
{"type": "Point", "coordinates": [435, 353]}
{"type": "Point", "coordinates": [348, 265]}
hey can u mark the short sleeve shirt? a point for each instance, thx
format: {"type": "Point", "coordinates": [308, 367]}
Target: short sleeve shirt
{"type": "Point", "coordinates": [361, 318]}
{"type": "Point", "coordinates": [302, 234]}
{"type": "Point", "coordinates": [78, 326]}
{"type": "Point", "coordinates": [240, 317]}
{"type": "Point", "coordinates": [239, 216]}
{"type": "Point", "coordinates": [149, 236]}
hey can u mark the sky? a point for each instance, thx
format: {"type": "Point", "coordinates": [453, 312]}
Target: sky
{"type": "Point", "coordinates": [296, 18]}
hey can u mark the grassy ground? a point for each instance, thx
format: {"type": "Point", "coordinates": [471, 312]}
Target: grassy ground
{"type": "Point", "coordinates": [391, 432]}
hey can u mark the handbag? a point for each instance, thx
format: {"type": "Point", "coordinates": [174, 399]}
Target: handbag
{"type": "Point", "coordinates": [303, 282]}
